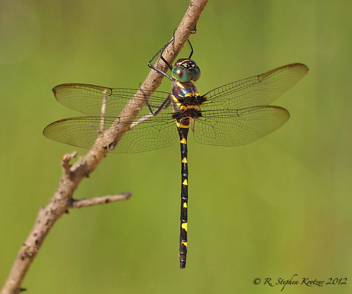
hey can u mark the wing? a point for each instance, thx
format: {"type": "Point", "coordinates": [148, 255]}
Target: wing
{"type": "Point", "coordinates": [238, 127]}
{"type": "Point", "coordinates": [77, 131]}
{"type": "Point", "coordinates": [156, 132]}
{"type": "Point", "coordinates": [88, 99]}
{"type": "Point", "coordinates": [255, 91]}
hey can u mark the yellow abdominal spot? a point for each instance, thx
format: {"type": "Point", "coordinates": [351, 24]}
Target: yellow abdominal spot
{"type": "Point", "coordinates": [183, 141]}
{"type": "Point", "coordinates": [182, 125]}
{"type": "Point", "coordinates": [185, 182]}
{"type": "Point", "coordinates": [184, 160]}
{"type": "Point", "coordinates": [184, 243]}
{"type": "Point", "coordinates": [184, 226]}
{"type": "Point", "coordinates": [185, 205]}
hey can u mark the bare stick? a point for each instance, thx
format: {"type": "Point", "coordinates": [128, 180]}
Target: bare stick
{"type": "Point", "coordinates": [100, 200]}
{"type": "Point", "coordinates": [141, 120]}
{"type": "Point", "coordinates": [103, 109]}
{"type": "Point", "coordinates": [72, 175]}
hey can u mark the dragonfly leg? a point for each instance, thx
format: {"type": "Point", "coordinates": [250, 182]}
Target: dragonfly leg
{"type": "Point", "coordinates": [145, 98]}
{"type": "Point", "coordinates": [190, 55]}
{"type": "Point", "coordinates": [163, 106]}
{"type": "Point", "coordinates": [161, 51]}
{"type": "Point", "coordinates": [162, 58]}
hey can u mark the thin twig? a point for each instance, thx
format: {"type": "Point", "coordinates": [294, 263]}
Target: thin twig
{"type": "Point", "coordinates": [65, 162]}
{"type": "Point", "coordinates": [73, 175]}
{"type": "Point", "coordinates": [100, 200]}
{"type": "Point", "coordinates": [103, 109]}
{"type": "Point", "coordinates": [141, 120]}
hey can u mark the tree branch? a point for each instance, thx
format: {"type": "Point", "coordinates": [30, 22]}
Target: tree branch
{"type": "Point", "coordinates": [73, 175]}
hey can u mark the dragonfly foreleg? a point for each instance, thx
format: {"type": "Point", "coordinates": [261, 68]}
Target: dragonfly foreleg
{"type": "Point", "coordinates": [162, 107]}
{"type": "Point", "coordinates": [161, 51]}
{"type": "Point", "coordinates": [145, 99]}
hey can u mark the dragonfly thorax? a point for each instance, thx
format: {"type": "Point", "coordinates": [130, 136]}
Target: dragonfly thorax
{"type": "Point", "coordinates": [186, 101]}
{"type": "Point", "coordinates": [186, 95]}
{"type": "Point", "coordinates": [185, 70]}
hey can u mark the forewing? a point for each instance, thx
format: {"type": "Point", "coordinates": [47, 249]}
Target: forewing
{"type": "Point", "coordinates": [256, 91]}
{"type": "Point", "coordinates": [238, 127]}
{"type": "Point", "coordinates": [88, 99]}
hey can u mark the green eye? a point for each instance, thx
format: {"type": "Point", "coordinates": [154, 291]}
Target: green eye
{"type": "Point", "coordinates": [181, 74]}
{"type": "Point", "coordinates": [196, 73]}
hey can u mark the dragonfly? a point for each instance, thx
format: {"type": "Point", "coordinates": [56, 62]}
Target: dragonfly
{"type": "Point", "coordinates": [234, 114]}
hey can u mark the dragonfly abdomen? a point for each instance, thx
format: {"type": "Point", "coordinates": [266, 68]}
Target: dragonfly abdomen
{"type": "Point", "coordinates": [183, 132]}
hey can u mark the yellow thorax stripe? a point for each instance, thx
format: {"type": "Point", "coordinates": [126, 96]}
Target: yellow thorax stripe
{"type": "Point", "coordinates": [180, 85]}
{"type": "Point", "coordinates": [192, 94]}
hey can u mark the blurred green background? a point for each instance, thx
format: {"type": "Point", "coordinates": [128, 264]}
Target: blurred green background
{"type": "Point", "coordinates": [278, 207]}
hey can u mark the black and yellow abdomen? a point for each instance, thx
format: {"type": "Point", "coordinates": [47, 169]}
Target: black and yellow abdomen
{"type": "Point", "coordinates": [186, 103]}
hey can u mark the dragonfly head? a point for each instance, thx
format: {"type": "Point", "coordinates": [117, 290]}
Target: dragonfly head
{"type": "Point", "coordinates": [186, 70]}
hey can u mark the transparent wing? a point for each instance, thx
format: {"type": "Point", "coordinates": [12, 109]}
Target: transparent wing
{"type": "Point", "coordinates": [232, 115]}
{"type": "Point", "coordinates": [156, 132]}
{"type": "Point", "coordinates": [255, 91]}
{"type": "Point", "coordinates": [77, 131]}
{"type": "Point", "coordinates": [238, 127]}
{"type": "Point", "coordinates": [88, 99]}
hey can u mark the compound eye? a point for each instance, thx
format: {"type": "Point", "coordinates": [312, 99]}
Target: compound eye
{"type": "Point", "coordinates": [181, 74]}
{"type": "Point", "coordinates": [196, 73]}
